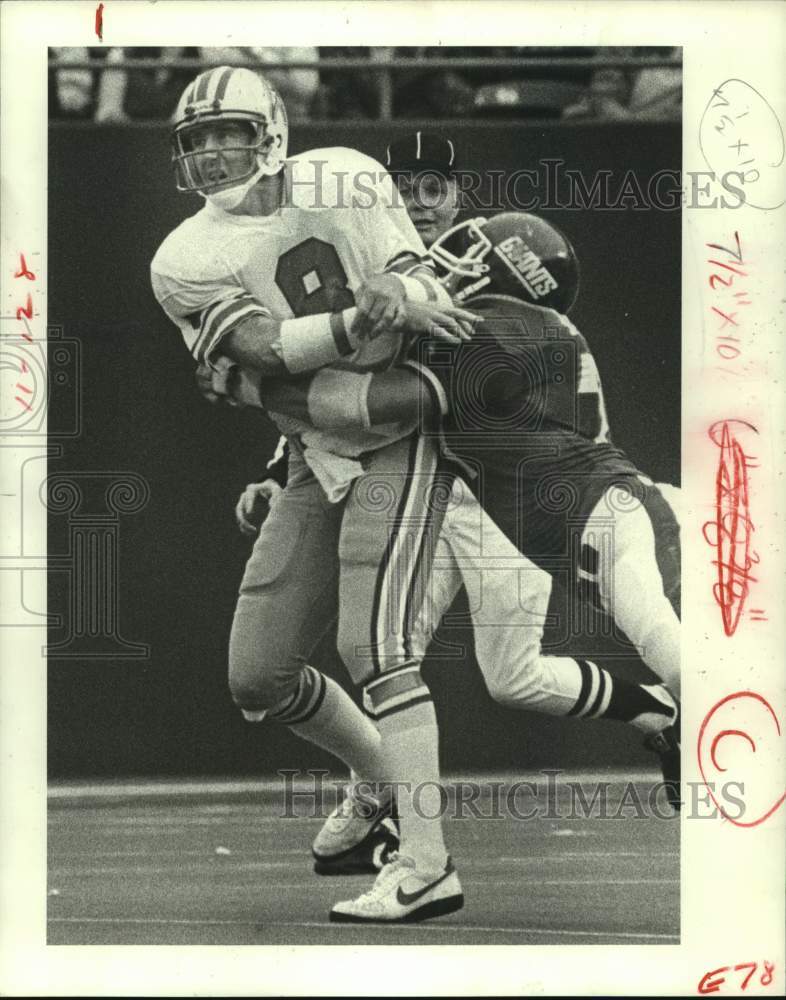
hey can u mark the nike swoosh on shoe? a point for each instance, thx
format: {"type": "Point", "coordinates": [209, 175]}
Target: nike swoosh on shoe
{"type": "Point", "coordinates": [407, 898]}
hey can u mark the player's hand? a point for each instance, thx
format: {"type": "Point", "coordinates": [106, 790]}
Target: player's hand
{"type": "Point", "coordinates": [254, 503]}
{"type": "Point", "coordinates": [228, 383]}
{"type": "Point", "coordinates": [204, 382]}
{"type": "Point", "coordinates": [215, 383]}
{"type": "Point", "coordinates": [448, 323]}
{"type": "Point", "coordinates": [379, 302]}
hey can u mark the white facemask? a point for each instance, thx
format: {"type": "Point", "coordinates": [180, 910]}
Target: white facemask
{"type": "Point", "coordinates": [230, 198]}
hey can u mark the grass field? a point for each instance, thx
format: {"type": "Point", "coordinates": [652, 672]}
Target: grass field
{"type": "Point", "coordinates": [215, 863]}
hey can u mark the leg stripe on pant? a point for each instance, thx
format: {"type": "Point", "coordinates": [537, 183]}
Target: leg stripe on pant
{"type": "Point", "coordinates": [389, 548]}
{"type": "Point", "coordinates": [416, 593]}
{"type": "Point", "coordinates": [402, 556]}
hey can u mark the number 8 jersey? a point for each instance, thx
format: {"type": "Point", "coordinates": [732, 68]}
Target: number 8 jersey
{"type": "Point", "coordinates": [338, 225]}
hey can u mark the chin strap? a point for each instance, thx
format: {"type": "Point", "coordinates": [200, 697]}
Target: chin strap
{"type": "Point", "coordinates": [230, 198]}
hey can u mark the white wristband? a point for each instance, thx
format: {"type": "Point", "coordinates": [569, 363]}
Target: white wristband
{"type": "Point", "coordinates": [310, 342]}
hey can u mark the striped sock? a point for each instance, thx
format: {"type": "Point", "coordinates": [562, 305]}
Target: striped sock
{"type": "Point", "coordinates": [322, 712]}
{"type": "Point", "coordinates": [649, 708]}
{"type": "Point", "coordinates": [407, 723]}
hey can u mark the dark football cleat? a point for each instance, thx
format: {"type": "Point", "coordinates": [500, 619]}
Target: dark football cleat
{"type": "Point", "coordinates": [367, 857]}
{"type": "Point", "coordinates": [358, 836]}
{"type": "Point", "coordinates": [666, 744]}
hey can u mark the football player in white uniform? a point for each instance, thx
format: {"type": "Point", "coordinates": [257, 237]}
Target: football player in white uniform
{"type": "Point", "coordinates": [527, 391]}
{"type": "Point", "coordinates": [423, 167]}
{"type": "Point", "coordinates": [508, 644]}
{"type": "Point", "coordinates": [293, 265]}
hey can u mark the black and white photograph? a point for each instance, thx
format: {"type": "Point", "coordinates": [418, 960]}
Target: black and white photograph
{"type": "Point", "coordinates": [428, 530]}
{"type": "Point", "coordinates": [352, 389]}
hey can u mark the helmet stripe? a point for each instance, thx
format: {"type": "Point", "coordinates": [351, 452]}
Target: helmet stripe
{"type": "Point", "coordinates": [202, 85]}
{"type": "Point", "coordinates": [223, 83]}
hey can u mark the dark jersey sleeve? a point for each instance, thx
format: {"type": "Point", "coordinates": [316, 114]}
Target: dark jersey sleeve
{"type": "Point", "coordinates": [526, 418]}
{"type": "Point", "coordinates": [528, 369]}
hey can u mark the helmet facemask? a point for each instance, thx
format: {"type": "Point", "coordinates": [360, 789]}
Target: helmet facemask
{"type": "Point", "coordinates": [470, 264]}
{"type": "Point", "coordinates": [513, 254]}
{"type": "Point", "coordinates": [220, 168]}
{"type": "Point", "coordinates": [214, 169]}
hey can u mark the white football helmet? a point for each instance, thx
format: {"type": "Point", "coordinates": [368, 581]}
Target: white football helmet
{"type": "Point", "coordinates": [226, 174]}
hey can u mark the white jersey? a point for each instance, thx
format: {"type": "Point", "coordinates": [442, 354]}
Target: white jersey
{"type": "Point", "coordinates": [339, 225]}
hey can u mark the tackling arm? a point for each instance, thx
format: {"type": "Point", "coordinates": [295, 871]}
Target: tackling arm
{"type": "Point", "coordinates": [332, 399]}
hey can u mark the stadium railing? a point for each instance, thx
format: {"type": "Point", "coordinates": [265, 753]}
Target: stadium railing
{"type": "Point", "coordinates": [386, 70]}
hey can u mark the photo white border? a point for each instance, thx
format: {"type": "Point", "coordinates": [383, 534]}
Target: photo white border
{"type": "Point", "coordinates": [732, 886]}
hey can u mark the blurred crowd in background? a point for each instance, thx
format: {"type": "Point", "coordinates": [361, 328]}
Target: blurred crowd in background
{"type": "Point", "coordinates": [96, 84]}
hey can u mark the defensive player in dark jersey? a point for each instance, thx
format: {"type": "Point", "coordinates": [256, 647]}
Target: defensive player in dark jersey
{"type": "Point", "coordinates": [524, 424]}
{"type": "Point", "coordinates": [522, 420]}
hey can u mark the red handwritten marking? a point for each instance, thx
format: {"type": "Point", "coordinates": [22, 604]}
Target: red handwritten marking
{"type": "Point", "coordinates": [734, 732]}
{"type": "Point", "coordinates": [737, 254]}
{"type": "Point", "coordinates": [100, 22]}
{"type": "Point", "coordinates": [722, 735]}
{"type": "Point", "coordinates": [729, 319]}
{"type": "Point", "coordinates": [733, 268]}
{"type": "Point", "coordinates": [710, 984]}
{"type": "Point", "coordinates": [24, 271]}
{"type": "Point", "coordinates": [732, 526]}
{"type": "Point", "coordinates": [728, 351]}
{"type": "Point", "coordinates": [720, 263]}
{"type": "Point", "coordinates": [24, 313]}
{"type": "Point", "coordinates": [717, 277]}
{"type": "Point", "coordinates": [26, 310]}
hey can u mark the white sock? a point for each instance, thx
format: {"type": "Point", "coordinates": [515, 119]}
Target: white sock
{"type": "Point", "coordinates": [322, 712]}
{"type": "Point", "coordinates": [410, 746]}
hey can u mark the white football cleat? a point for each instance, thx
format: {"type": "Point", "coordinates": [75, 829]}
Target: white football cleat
{"type": "Point", "coordinates": [357, 838]}
{"type": "Point", "coordinates": [402, 894]}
